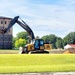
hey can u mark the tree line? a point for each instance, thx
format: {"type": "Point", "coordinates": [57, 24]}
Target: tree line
{"type": "Point", "coordinates": [23, 38]}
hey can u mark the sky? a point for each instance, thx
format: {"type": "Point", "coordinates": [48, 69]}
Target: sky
{"type": "Point", "coordinates": [44, 17]}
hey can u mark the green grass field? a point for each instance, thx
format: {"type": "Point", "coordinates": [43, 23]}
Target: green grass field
{"type": "Point", "coordinates": [22, 63]}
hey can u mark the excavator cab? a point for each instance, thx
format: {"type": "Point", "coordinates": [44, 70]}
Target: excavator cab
{"type": "Point", "coordinates": [39, 44]}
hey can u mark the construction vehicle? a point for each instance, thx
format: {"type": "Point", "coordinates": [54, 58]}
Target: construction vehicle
{"type": "Point", "coordinates": [36, 45]}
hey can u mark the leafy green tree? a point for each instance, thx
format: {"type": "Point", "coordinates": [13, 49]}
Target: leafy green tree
{"type": "Point", "coordinates": [59, 42]}
{"type": "Point", "coordinates": [46, 38]}
{"type": "Point", "coordinates": [70, 38]}
{"type": "Point", "coordinates": [22, 35]}
{"type": "Point", "coordinates": [37, 37]}
{"type": "Point", "coordinates": [51, 39]}
{"type": "Point", "coordinates": [20, 42]}
{"type": "Point", "coordinates": [13, 42]}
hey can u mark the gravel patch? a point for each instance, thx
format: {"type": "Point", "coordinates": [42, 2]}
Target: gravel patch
{"type": "Point", "coordinates": [51, 73]}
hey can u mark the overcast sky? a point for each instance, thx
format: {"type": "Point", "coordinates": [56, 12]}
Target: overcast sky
{"type": "Point", "coordinates": [43, 16]}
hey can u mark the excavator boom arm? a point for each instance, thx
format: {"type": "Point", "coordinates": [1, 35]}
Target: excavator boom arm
{"type": "Point", "coordinates": [22, 24]}
{"type": "Point", "coordinates": [27, 28]}
{"type": "Point", "coordinates": [12, 22]}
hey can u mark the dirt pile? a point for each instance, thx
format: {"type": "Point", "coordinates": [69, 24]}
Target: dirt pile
{"type": "Point", "coordinates": [70, 51]}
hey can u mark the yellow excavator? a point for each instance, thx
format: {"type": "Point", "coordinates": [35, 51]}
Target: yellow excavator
{"type": "Point", "coordinates": [36, 45]}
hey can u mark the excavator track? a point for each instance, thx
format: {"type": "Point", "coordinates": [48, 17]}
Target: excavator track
{"type": "Point", "coordinates": [39, 52]}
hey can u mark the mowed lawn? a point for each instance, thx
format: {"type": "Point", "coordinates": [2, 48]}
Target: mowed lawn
{"type": "Point", "coordinates": [22, 63]}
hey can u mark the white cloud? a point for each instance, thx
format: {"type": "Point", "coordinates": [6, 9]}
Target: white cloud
{"type": "Point", "coordinates": [53, 17]}
{"type": "Point", "coordinates": [45, 18]}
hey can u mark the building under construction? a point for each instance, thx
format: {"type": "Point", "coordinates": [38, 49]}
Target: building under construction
{"type": "Point", "coordinates": [5, 39]}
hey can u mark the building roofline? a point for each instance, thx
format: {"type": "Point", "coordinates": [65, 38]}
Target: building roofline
{"type": "Point", "coordinates": [2, 17]}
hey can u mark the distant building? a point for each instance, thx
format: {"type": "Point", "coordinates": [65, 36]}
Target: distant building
{"type": "Point", "coordinates": [68, 46]}
{"type": "Point", "coordinates": [5, 39]}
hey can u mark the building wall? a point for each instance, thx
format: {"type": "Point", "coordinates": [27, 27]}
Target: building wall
{"type": "Point", "coordinates": [5, 39]}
